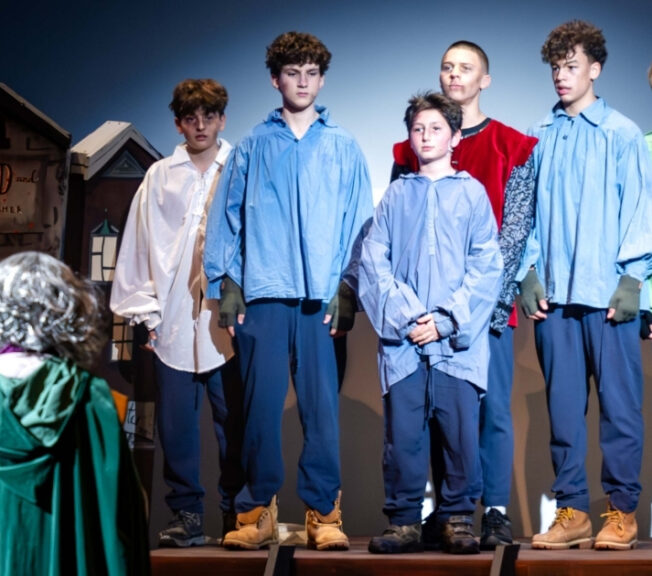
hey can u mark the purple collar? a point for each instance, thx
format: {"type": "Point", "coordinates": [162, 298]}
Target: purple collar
{"type": "Point", "coordinates": [7, 348]}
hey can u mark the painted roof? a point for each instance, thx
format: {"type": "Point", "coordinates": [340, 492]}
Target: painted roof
{"type": "Point", "coordinates": [92, 153]}
{"type": "Point", "coordinates": [14, 104]}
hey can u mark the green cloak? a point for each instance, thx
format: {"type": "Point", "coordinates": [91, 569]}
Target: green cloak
{"type": "Point", "coordinates": [70, 497]}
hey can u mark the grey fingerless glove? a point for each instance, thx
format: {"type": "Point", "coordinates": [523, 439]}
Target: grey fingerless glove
{"type": "Point", "coordinates": [531, 293]}
{"type": "Point", "coordinates": [231, 303]}
{"type": "Point", "coordinates": [626, 299]}
{"type": "Point", "coordinates": [342, 308]}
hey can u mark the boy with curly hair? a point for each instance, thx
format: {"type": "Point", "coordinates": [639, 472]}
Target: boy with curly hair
{"type": "Point", "coordinates": [293, 199]}
{"type": "Point", "coordinates": [589, 252]}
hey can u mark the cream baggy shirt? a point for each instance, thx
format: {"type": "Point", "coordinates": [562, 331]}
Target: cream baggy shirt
{"type": "Point", "coordinates": [159, 278]}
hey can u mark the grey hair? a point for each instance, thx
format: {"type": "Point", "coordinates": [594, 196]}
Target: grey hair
{"type": "Point", "coordinates": [45, 307]}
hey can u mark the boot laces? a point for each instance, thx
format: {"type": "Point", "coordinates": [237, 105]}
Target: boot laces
{"type": "Point", "coordinates": [614, 516]}
{"type": "Point", "coordinates": [563, 516]}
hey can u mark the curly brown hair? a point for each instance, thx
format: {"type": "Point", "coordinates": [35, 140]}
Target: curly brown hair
{"type": "Point", "coordinates": [193, 94]}
{"type": "Point", "coordinates": [296, 48]}
{"type": "Point", "coordinates": [562, 41]}
{"type": "Point", "coordinates": [449, 109]}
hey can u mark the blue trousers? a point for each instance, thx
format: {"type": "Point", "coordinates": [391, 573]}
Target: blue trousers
{"type": "Point", "coordinates": [178, 406]}
{"type": "Point", "coordinates": [574, 343]}
{"type": "Point", "coordinates": [496, 429]}
{"type": "Point", "coordinates": [429, 401]}
{"type": "Point", "coordinates": [279, 339]}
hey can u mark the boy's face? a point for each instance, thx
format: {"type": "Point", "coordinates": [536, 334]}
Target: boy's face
{"type": "Point", "coordinates": [573, 78]}
{"type": "Point", "coordinates": [298, 85]}
{"type": "Point", "coordinates": [431, 138]}
{"type": "Point", "coordinates": [462, 76]}
{"type": "Point", "coordinates": [201, 129]}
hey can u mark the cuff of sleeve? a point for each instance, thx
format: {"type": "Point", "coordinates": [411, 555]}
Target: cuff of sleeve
{"type": "Point", "coordinates": [403, 333]}
{"type": "Point", "coordinates": [444, 324]}
{"type": "Point", "coordinates": [522, 273]}
{"type": "Point", "coordinates": [636, 270]}
{"type": "Point", "coordinates": [214, 289]}
{"type": "Point", "coordinates": [153, 321]}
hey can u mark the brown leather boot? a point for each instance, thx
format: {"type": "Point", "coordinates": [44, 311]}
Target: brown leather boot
{"type": "Point", "coordinates": [325, 532]}
{"type": "Point", "coordinates": [619, 530]}
{"type": "Point", "coordinates": [255, 529]}
{"type": "Point", "coordinates": [571, 528]}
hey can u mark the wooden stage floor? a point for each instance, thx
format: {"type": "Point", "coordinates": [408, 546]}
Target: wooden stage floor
{"type": "Point", "coordinates": [357, 561]}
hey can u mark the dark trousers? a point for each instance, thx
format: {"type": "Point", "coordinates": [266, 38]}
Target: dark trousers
{"type": "Point", "coordinates": [574, 343]}
{"type": "Point", "coordinates": [429, 401]}
{"type": "Point", "coordinates": [280, 339]}
{"type": "Point", "coordinates": [178, 408]}
{"type": "Point", "coordinates": [496, 429]}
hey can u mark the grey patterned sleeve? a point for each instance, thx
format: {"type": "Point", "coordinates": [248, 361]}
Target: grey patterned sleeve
{"type": "Point", "coordinates": [518, 214]}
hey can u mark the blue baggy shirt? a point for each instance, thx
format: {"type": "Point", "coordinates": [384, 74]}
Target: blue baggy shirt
{"type": "Point", "coordinates": [432, 248]}
{"type": "Point", "coordinates": [287, 211]}
{"type": "Point", "coordinates": [593, 219]}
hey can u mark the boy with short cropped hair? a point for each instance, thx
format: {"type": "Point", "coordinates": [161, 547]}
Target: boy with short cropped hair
{"type": "Point", "coordinates": [429, 277]}
{"type": "Point", "coordinates": [590, 250]}
{"type": "Point", "coordinates": [501, 159]}
{"type": "Point", "coordinates": [293, 200]}
{"type": "Point", "coordinates": [159, 281]}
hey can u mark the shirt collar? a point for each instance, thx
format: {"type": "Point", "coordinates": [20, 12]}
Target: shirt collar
{"type": "Point", "coordinates": [595, 113]}
{"type": "Point", "coordinates": [324, 116]}
{"type": "Point", "coordinates": [181, 156]}
{"type": "Point", "coordinates": [473, 130]}
{"type": "Point", "coordinates": [223, 152]}
{"type": "Point", "coordinates": [461, 174]}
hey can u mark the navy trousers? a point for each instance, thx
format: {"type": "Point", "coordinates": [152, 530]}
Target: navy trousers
{"type": "Point", "coordinates": [574, 343]}
{"type": "Point", "coordinates": [429, 401]}
{"type": "Point", "coordinates": [280, 339]}
{"type": "Point", "coordinates": [496, 428]}
{"type": "Point", "coordinates": [178, 407]}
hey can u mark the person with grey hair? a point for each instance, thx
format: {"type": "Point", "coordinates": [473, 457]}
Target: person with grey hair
{"type": "Point", "coordinates": [71, 499]}
{"type": "Point", "coordinates": [45, 308]}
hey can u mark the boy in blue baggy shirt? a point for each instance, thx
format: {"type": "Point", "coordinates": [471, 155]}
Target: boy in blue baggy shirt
{"type": "Point", "coordinates": [429, 278]}
{"type": "Point", "coordinates": [585, 260]}
{"type": "Point", "coordinates": [292, 201]}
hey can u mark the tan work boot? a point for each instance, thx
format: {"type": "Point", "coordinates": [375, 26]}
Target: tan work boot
{"type": "Point", "coordinates": [570, 528]}
{"type": "Point", "coordinates": [255, 529]}
{"type": "Point", "coordinates": [618, 532]}
{"type": "Point", "coordinates": [325, 532]}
